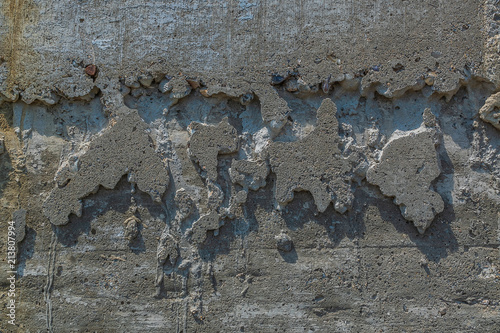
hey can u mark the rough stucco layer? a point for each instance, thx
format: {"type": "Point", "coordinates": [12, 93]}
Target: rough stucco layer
{"type": "Point", "coordinates": [250, 166]}
{"type": "Point", "coordinates": [45, 45]}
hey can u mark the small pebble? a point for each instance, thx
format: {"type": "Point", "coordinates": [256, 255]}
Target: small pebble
{"type": "Point", "coordinates": [443, 311]}
{"type": "Point", "coordinates": [91, 70]}
{"type": "Point", "coordinates": [204, 93]}
{"type": "Point", "coordinates": [326, 85]}
{"type": "Point", "coordinates": [124, 90]}
{"type": "Point", "coordinates": [193, 83]}
{"type": "Point", "coordinates": [137, 92]}
{"type": "Point", "coordinates": [303, 86]}
{"type": "Point", "coordinates": [277, 79]}
{"type": "Point", "coordinates": [340, 207]}
{"type": "Point", "coordinates": [436, 54]}
{"type": "Point", "coordinates": [164, 86]}
{"type": "Point", "coordinates": [429, 80]}
{"type": "Point", "coordinates": [291, 85]}
{"type": "Point", "coordinates": [283, 242]}
{"type": "Point", "coordinates": [132, 83]}
{"type": "Point", "coordinates": [146, 80]}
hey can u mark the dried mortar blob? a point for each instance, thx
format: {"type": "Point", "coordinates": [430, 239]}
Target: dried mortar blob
{"type": "Point", "coordinates": [407, 167]}
{"type": "Point", "coordinates": [316, 164]}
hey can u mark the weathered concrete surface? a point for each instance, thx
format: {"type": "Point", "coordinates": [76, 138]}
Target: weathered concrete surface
{"type": "Point", "coordinates": [250, 166]}
{"type": "Point", "coordinates": [237, 43]}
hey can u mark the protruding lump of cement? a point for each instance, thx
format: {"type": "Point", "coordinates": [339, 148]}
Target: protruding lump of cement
{"type": "Point", "coordinates": [240, 197]}
{"type": "Point", "coordinates": [429, 118]}
{"type": "Point", "coordinates": [210, 221]}
{"type": "Point", "coordinates": [215, 195]}
{"type": "Point", "coordinates": [180, 88]}
{"type": "Point", "coordinates": [283, 242]}
{"type": "Point", "coordinates": [121, 149]}
{"type": "Point", "coordinates": [249, 174]}
{"type": "Point", "coordinates": [316, 164]}
{"type": "Point", "coordinates": [490, 112]}
{"type": "Point", "coordinates": [273, 108]}
{"type": "Point", "coordinates": [19, 218]}
{"type": "Point", "coordinates": [184, 203]}
{"type": "Point", "coordinates": [131, 228]}
{"type": "Point", "coordinates": [408, 165]}
{"type": "Point", "coordinates": [208, 141]}
{"type": "Point", "coordinates": [167, 249]}
{"type": "Point", "coordinates": [177, 87]}
{"type": "Point", "coordinates": [372, 137]}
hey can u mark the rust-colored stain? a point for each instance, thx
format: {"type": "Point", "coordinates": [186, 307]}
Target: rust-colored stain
{"type": "Point", "coordinates": [18, 14]}
{"type": "Point", "coordinates": [12, 12]}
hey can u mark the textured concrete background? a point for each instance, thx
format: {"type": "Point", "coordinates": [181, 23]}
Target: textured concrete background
{"type": "Point", "coordinates": [45, 43]}
{"type": "Point", "coordinates": [248, 166]}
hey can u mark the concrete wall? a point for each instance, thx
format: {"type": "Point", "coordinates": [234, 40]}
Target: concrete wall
{"type": "Point", "coordinates": [281, 166]}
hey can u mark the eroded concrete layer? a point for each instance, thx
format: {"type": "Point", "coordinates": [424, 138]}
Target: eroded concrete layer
{"type": "Point", "coordinates": [195, 212]}
{"type": "Point", "coordinates": [237, 46]}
